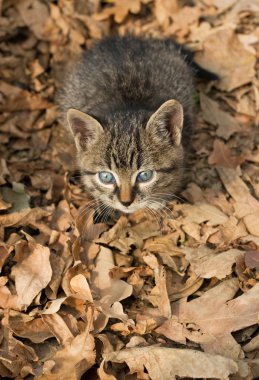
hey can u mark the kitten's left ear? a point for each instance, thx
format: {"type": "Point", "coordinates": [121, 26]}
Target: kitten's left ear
{"type": "Point", "coordinates": [84, 127]}
{"type": "Point", "coordinates": [168, 119]}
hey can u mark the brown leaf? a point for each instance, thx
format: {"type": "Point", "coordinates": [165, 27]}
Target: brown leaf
{"type": "Point", "coordinates": [27, 327]}
{"type": "Point", "coordinates": [183, 18]}
{"type": "Point", "coordinates": [121, 9]}
{"type": "Point", "coordinates": [221, 156]}
{"type": "Point", "coordinates": [225, 55]}
{"type": "Point", "coordinates": [167, 363]}
{"type": "Point", "coordinates": [252, 259]}
{"type": "Point", "coordinates": [36, 15]}
{"type": "Point", "coordinates": [202, 212]}
{"type": "Point", "coordinates": [109, 291]}
{"type": "Point", "coordinates": [16, 99]}
{"type": "Point", "coordinates": [252, 223]}
{"type": "Point", "coordinates": [159, 295]}
{"type": "Point", "coordinates": [207, 263]}
{"type": "Point", "coordinates": [72, 360]}
{"type": "Point", "coordinates": [80, 285]}
{"type": "Point", "coordinates": [245, 203]}
{"type": "Point", "coordinates": [164, 9]}
{"type": "Point", "coordinates": [58, 327]}
{"type": "Point", "coordinates": [29, 277]}
{"type": "Point", "coordinates": [24, 217]}
{"type": "Point", "coordinates": [173, 330]}
{"type": "Point", "coordinates": [4, 253]}
{"type": "Point", "coordinates": [211, 112]}
{"type": "Point", "coordinates": [218, 315]}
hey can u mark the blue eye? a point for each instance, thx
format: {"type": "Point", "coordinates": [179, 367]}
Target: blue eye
{"type": "Point", "coordinates": [106, 178]}
{"type": "Point", "coordinates": [145, 176]}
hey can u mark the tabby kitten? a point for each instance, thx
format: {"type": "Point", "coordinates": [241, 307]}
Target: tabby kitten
{"type": "Point", "coordinates": [128, 103]}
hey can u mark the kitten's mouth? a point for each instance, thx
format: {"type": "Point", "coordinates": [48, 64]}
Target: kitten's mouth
{"type": "Point", "coordinates": [129, 209]}
{"type": "Point", "coordinates": [133, 208]}
{"type": "Point", "coordinates": [117, 208]}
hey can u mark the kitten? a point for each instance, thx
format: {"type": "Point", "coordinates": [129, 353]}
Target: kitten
{"type": "Point", "coordinates": [129, 106]}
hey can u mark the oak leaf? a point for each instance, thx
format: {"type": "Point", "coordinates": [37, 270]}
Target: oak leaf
{"type": "Point", "coordinates": [167, 363]}
{"type": "Point", "coordinates": [225, 55]}
{"type": "Point", "coordinates": [28, 273]}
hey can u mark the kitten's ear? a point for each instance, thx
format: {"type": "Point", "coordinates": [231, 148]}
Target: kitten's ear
{"type": "Point", "coordinates": [168, 119]}
{"type": "Point", "coordinates": [84, 127]}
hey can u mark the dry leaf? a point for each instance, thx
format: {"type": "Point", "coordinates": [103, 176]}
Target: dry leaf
{"type": "Point", "coordinates": [17, 99]}
{"type": "Point", "coordinates": [121, 9]}
{"type": "Point", "coordinates": [207, 263]}
{"type": "Point", "coordinates": [159, 292]}
{"type": "Point", "coordinates": [221, 156]}
{"type": "Point", "coordinates": [27, 327]}
{"type": "Point", "coordinates": [164, 10]}
{"type": "Point", "coordinates": [218, 315]}
{"type": "Point", "coordinates": [80, 285]}
{"type": "Point", "coordinates": [36, 15]}
{"type": "Point", "coordinates": [29, 277]}
{"type": "Point", "coordinates": [245, 203]}
{"type": "Point", "coordinates": [202, 212]}
{"type": "Point", "coordinates": [167, 363]}
{"type": "Point", "coordinates": [211, 112]}
{"type": "Point", "coordinates": [252, 223]}
{"type": "Point", "coordinates": [252, 259]}
{"type": "Point", "coordinates": [225, 55]}
{"type": "Point", "coordinates": [173, 330]}
{"type": "Point", "coordinates": [73, 360]}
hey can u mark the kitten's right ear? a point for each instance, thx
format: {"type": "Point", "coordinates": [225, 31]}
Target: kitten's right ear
{"type": "Point", "coordinates": [84, 127]}
{"type": "Point", "coordinates": [168, 119]}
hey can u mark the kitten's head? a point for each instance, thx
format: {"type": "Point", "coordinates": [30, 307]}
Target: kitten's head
{"type": "Point", "coordinates": [130, 160]}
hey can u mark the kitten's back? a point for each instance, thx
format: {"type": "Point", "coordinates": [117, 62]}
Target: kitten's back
{"type": "Point", "coordinates": [128, 73]}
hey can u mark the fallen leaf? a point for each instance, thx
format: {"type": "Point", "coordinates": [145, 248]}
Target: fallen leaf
{"type": "Point", "coordinates": [80, 285]}
{"type": "Point", "coordinates": [173, 330]}
{"type": "Point", "coordinates": [202, 212]}
{"type": "Point", "coordinates": [252, 223]}
{"type": "Point", "coordinates": [17, 99]}
{"type": "Point", "coordinates": [207, 263]}
{"type": "Point", "coordinates": [252, 259]}
{"type": "Point", "coordinates": [24, 217]}
{"type": "Point", "coordinates": [72, 360]}
{"type": "Point", "coordinates": [27, 327]}
{"type": "Point", "coordinates": [221, 156]}
{"type": "Point", "coordinates": [4, 253]}
{"type": "Point", "coordinates": [159, 292]}
{"type": "Point", "coordinates": [108, 290]}
{"type": "Point", "coordinates": [218, 315]}
{"type": "Point", "coordinates": [167, 363]}
{"type": "Point", "coordinates": [28, 275]}
{"type": "Point", "coordinates": [58, 327]}
{"type": "Point", "coordinates": [225, 55]}
{"type": "Point", "coordinates": [121, 9]}
{"type": "Point", "coordinates": [183, 18]}
{"type": "Point", "coordinates": [245, 203]}
{"type": "Point", "coordinates": [164, 9]}
{"type": "Point", "coordinates": [213, 114]}
{"type": "Point", "coordinates": [36, 15]}
{"type": "Point", "coordinates": [16, 196]}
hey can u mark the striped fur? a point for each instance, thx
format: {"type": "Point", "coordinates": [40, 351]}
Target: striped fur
{"type": "Point", "coordinates": [120, 84]}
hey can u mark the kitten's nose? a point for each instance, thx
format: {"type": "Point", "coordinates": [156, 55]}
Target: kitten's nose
{"type": "Point", "coordinates": [125, 194]}
{"type": "Point", "coordinates": [126, 204]}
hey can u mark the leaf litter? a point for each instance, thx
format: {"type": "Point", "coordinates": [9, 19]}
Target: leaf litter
{"type": "Point", "coordinates": [166, 296]}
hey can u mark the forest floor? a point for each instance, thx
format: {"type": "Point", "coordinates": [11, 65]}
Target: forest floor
{"type": "Point", "coordinates": [160, 298]}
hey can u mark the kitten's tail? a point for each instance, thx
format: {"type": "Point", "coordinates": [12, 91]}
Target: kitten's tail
{"type": "Point", "coordinates": [199, 71]}
{"type": "Point", "coordinates": [202, 73]}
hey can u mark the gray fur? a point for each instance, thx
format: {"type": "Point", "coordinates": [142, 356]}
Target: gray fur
{"type": "Point", "coordinates": [121, 82]}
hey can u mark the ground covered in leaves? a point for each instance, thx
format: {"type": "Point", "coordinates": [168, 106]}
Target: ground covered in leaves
{"type": "Point", "coordinates": [170, 296]}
